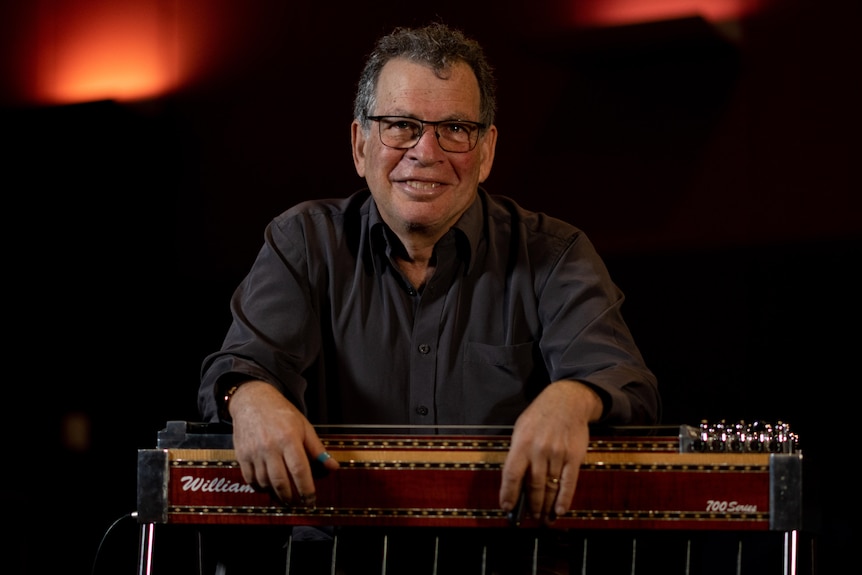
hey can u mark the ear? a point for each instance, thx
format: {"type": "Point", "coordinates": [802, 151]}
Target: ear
{"type": "Point", "coordinates": [358, 140]}
{"type": "Point", "coordinates": [487, 147]}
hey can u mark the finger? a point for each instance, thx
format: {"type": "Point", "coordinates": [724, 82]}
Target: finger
{"type": "Point", "coordinates": [568, 484]}
{"type": "Point", "coordinates": [323, 464]}
{"type": "Point", "coordinates": [544, 490]}
{"type": "Point", "coordinates": [552, 491]}
{"type": "Point", "coordinates": [279, 480]}
{"type": "Point", "coordinates": [298, 469]}
{"type": "Point", "coordinates": [537, 492]}
{"type": "Point", "coordinates": [322, 461]}
{"type": "Point", "coordinates": [315, 462]}
{"type": "Point", "coordinates": [553, 486]}
{"type": "Point", "coordinates": [247, 469]}
{"type": "Point", "coordinates": [512, 482]}
{"type": "Point", "coordinates": [255, 475]}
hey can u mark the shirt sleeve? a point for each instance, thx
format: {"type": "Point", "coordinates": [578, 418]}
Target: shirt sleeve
{"type": "Point", "coordinates": [274, 334]}
{"type": "Point", "coordinates": [585, 337]}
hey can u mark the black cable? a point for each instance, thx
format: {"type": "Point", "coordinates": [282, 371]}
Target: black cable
{"type": "Point", "coordinates": [132, 515]}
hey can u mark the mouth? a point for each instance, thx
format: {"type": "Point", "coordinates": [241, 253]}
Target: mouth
{"type": "Point", "coordinates": [422, 186]}
{"type": "Point", "coordinates": [422, 190]}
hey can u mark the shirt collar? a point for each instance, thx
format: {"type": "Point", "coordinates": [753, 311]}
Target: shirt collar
{"type": "Point", "coordinates": [471, 225]}
{"type": "Point", "coordinates": [468, 229]}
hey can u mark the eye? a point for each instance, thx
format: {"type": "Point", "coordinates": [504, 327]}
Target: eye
{"type": "Point", "coordinates": [403, 124]}
{"type": "Point", "coordinates": [458, 130]}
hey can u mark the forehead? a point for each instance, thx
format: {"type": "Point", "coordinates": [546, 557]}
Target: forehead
{"type": "Point", "coordinates": [408, 88]}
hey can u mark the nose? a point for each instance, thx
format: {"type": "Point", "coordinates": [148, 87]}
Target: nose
{"type": "Point", "coordinates": [423, 148]}
{"type": "Point", "coordinates": [425, 129]}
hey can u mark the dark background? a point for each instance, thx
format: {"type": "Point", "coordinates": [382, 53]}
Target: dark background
{"type": "Point", "coordinates": [714, 166]}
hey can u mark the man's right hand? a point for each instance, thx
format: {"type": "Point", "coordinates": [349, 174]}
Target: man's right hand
{"type": "Point", "coordinates": [274, 443]}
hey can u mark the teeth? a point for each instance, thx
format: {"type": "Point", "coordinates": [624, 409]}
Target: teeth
{"type": "Point", "coordinates": [422, 185]}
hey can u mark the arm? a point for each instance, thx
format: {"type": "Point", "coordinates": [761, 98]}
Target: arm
{"type": "Point", "coordinates": [274, 442]}
{"type": "Point", "coordinates": [273, 339]}
{"type": "Point", "coordinates": [550, 442]}
{"type": "Point", "coordinates": [598, 374]}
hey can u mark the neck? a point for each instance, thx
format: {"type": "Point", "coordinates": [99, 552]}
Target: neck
{"type": "Point", "coordinates": [418, 270]}
{"type": "Point", "coordinates": [418, 261]}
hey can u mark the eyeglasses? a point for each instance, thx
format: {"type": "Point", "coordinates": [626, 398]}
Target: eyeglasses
{"type": "Point", "coordinates": [403, 132]}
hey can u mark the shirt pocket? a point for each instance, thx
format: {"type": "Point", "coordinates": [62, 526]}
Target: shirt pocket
{"type": "Point", "coordinates": [497, 376]}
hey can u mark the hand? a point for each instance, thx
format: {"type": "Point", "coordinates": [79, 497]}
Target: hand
{"type": "Point", "coordinates": [549, 444]}
{"type": "Point", "coordinates": [274, 443]}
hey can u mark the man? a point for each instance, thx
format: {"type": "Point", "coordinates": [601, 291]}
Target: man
{"type": "Point", "coordinates": [424, 301]}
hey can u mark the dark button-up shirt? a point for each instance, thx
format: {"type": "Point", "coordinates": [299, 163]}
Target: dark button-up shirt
{"type": "Point", "coordinates": [517, 300]}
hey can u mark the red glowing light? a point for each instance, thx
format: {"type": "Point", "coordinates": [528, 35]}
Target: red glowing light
{"type": "Point", "coordinates": [70, 51]}
{"type": "Point", "coordinates": [98, 49]}
{"type": "Point", "coordinates": [621, 12]}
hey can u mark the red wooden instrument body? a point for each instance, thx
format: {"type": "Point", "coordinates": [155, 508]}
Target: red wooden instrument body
{"type": "Point", "coordinates": [453, 481]}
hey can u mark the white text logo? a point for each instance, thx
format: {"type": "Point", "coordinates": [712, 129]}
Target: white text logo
{"type": "Point", "coordinates": [216, 485]}
{"type": "Point", "coordinates": [715, 506]}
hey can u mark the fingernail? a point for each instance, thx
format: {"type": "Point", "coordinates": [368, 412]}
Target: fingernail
{"type": "Point", "coordinates": [323, 457]}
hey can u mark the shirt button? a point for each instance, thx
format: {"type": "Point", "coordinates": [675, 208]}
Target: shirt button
{"type": "Point", "coordinates": [424, 348]}
{"type": "Point", "coordinates": [422, 410]}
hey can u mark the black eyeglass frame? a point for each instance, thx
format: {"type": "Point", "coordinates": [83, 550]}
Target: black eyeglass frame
{"type": "Point", "coordinates": [480, 127]}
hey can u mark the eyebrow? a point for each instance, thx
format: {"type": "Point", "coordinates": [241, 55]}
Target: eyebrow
{"type": "Point", "coordinates": [414, 117]}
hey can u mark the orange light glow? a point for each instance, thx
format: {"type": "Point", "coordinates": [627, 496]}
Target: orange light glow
{"type": "Point", "coordinates": [72, 51]}
{"type": "Point", "coordinates": [621, 12]}
{"type": "Point", "coordinates": [101, 49]}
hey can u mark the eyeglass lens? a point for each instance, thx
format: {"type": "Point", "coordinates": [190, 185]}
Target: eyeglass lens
{"type": "Point", "coordinates": [453, 136]}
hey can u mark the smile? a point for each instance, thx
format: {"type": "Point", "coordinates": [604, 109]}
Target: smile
{"type": "Point", "coordinates": [416, 184]}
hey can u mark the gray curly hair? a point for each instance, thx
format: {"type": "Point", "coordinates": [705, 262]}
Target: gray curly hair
{"type": "Point", "coordinates": [436, 45]}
